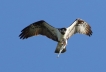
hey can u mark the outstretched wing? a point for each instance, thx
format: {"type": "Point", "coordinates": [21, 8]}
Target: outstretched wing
{"type": "Point", "coordinates": [39, 28]}
{"type": "Point", "coordinates": [78, 26]}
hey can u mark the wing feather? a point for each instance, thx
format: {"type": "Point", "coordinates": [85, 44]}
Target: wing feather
{"type": "Point", "coordinates": [39, 28]}
{"type": "Point", "coordinates": [78, 26]}
{"type": "Point", "coordinates": [83, 28]}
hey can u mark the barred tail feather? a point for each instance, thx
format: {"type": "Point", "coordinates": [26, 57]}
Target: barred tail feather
{"type": "Point", "coordinates": [58, 48]}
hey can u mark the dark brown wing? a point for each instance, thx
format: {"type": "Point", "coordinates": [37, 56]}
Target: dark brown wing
{"type": "Point", "coordinates": [39, 28]}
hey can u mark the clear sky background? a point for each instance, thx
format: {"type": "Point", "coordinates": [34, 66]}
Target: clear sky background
{"type": "Point", "coordinates": [36, 54]}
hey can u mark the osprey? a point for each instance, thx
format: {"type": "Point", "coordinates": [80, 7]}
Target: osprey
{"type": "Point", "coordinates": [60, 35]}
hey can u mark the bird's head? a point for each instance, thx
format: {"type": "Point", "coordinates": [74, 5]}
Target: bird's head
{"type": "Point", "coordinates": [62, 30]}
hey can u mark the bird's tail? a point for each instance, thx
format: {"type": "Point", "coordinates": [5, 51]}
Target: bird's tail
{"type": "Point", "coordinates": [59, 47]}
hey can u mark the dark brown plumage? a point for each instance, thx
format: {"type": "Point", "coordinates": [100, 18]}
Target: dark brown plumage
{"type": "Point", "coordinates": [39, 28]}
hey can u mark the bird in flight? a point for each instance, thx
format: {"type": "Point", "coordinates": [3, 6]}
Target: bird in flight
{"type": "Point", "coordinates": [60, 35]}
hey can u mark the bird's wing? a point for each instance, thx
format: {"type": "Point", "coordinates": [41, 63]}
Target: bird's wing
{"type": "Point", "coordinates": [39, 28]}
{"type": "Point", "coordinates": [78, 26]}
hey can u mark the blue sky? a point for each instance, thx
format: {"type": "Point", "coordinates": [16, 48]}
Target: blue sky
{"type": "Point", "coordinates": [36, 54]}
